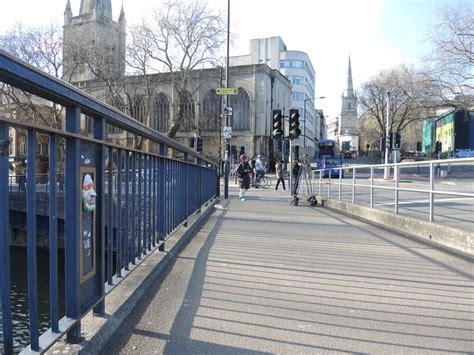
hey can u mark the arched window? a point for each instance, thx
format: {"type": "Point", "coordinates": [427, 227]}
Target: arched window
{"type": "Point", "coordinates": [138, 108]}
{"type": "Point", "coordinates": [161, 113]}
{"type": "Point", "coordinates": [186, 104]}
{"type": "Point", "coordinates": [240, 111]}
{"type": "Point", "coordinates": [210, 111]}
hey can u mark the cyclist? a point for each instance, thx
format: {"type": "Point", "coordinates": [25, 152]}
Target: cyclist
{"type": "Point", "coordinates": [259, 168]}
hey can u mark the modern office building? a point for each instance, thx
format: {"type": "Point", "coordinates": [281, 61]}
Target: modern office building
{"type": "Point", "coordinates": [297, 67]}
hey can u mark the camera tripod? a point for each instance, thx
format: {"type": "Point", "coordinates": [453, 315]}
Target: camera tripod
{"type": "Point", "coordinates": [303, 178]}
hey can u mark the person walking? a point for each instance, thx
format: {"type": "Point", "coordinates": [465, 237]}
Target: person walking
{"type": "Point", "coordinates": [279, 174]}
{"type": "Point", "coordinates": [244, 171]}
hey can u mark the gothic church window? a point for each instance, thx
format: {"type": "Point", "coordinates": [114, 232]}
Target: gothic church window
{"type": "Point", "coordinates": [240, 111]}
{"type": "Point", "coordinates": [210, 111]}
{"type": "Point", "coordinates": [186, 104]}
{"type": "Point", "coordinates": [161, 113]}
{"type": "Point", "coordinates": [138, 108]}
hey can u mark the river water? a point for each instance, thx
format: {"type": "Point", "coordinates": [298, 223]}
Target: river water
{"type": "Point", "coordinates": [19, 295]}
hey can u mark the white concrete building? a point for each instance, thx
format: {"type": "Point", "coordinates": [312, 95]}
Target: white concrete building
{"type": "Point", "coordinates": [297, 67]}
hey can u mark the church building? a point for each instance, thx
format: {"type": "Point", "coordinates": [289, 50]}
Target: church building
{"type": "Point", "coordinates": [347, 128]}
{"type": "Point", "coordinates": [155, 101]}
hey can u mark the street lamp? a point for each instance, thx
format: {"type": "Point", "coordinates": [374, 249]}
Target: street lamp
{"type": "Point", "coordinates": [304, 116]}
{"type": "Point", "coordinates": [387, 130]}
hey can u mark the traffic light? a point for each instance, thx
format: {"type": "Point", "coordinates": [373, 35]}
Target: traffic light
{"type": "Point", "coordinates": [438, 147]}
{"type": "Point", "coordinates": [418, 146]}
{"type": "Point", "coordinates": [192, 142]}
{"type": "Point", "coordinates": [396, 140]}
{"type": "Point", "coordinates": [233, 150]}
{"type": "Point", "coordinates": [295, 130]}
{"type": "Point", "coordinates": [199, 144]}
{"type": "Point", "coordinates": [277, 124]}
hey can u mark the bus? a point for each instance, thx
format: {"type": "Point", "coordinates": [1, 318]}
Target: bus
{"type": "Point", "coordinates": [325, 148]}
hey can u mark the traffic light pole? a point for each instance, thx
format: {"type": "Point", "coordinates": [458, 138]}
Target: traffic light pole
{"type": "Point", "coordinates": [386, 169]}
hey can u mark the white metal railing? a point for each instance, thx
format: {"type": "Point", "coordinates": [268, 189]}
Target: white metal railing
{"type": "Point", "coordinates": [428, 173]}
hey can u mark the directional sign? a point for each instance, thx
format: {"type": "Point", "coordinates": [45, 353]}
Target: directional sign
{"type": "Point", "coordinates": [226, 91]}
{"type": "Point", "coordinates": [227, 132]}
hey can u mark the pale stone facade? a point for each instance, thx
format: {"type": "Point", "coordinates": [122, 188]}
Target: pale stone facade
{"type": "Point", "coordinates": [260, 89]}
{"type": "Point", "coordinates": [348, 134]}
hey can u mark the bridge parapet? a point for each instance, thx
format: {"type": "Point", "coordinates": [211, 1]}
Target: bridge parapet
{"type": "Point", "coordinates": [121, 202]}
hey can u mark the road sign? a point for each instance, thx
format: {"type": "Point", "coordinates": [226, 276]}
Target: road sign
{"type": "Point", "coordinates": [226, 91]}
{"type": "Point", "coordinates": [227, 132]}
{"type": "Point", "coordinates": [228, 111]}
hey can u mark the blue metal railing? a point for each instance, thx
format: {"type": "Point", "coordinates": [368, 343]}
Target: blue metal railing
{"type": "Point", "coordinates": [142, 197]}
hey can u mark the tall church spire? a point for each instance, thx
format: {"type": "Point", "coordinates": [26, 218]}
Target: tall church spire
{"type": "Point", "coordinates": [67, 12]}
{"type": "Point", "coordinates": [350, 88]}
{"type": "Point", "coordinates": [96, 7]}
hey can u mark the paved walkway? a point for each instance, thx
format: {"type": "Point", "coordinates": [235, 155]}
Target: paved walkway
{"type": "Point", "coordinates": [264, 277]}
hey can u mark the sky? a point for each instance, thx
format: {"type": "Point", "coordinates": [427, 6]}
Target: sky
{"type": "Point", "coordinates": [377, 34]}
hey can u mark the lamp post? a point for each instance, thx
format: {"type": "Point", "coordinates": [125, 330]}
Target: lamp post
{"type": "Point", "coordinates": [304, 116]}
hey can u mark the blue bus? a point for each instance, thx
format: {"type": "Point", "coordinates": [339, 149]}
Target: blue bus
{"type": "Point", "coordinates": [325, 148]}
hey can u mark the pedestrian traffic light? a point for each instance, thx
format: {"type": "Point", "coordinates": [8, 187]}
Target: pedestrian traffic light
{"type": "Point", "coordinates": [295, 130]}
{"type": "Point", "coordinates": [396, 140]}
{"type": "Point", "coordinates": [199, 144]}
{"type": "Point", "coordinates": [277, 124]}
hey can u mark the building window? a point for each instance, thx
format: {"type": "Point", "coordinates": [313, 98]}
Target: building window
{"type": "Point", "coordinates": [138, 108]}
{"type": "Point", "coordinates": [298, 96]}
{"type": "Point", "coordinates": [240, 111]}
{"type": "Point", "coordinates": [348, 105]}
{"type": "Point", "coordinates": [210, 111]}
{"type": "Point", "coordinates": [284, 64]}
{"type": "Point", "coordinates": [161, 113]}
{"type": "Point", "coordinates": [299, 80]}
{"type": "Point", "coordinates": [186, 106]}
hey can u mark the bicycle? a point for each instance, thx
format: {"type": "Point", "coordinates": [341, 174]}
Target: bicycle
{"type": "Point", "coordinates": [262, 182]}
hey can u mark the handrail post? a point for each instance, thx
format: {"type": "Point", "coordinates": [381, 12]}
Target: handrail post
{"type": "Point", "coordinates": [5, 282]}
{"type": "Point", "coordinates": [396, 174]}
{"type": "Point", "coordinates": [186, 180]}
{"type": "Point", "coordinates": [371, 187]}
{"type": "Point", "coordinates": [162, 198]}
{"type": "Point", "coordinates": [353, 184]}
{"type": "Point", "coordinates": [431, 192]}
{"type": "Point", "coordinates": [72, 220]}
{"type": "Point", "coordinates": [99, 133]}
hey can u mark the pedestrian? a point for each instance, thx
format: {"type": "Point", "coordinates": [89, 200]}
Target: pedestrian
{"type": "Point", "coordinates": [296, 176]}
{"type": "Point", "coordinates": [244, 171]}
{"type": "Point", "coordinates": [279, 174]}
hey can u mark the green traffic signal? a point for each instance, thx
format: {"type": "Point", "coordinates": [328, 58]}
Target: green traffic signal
{"type": "Point", "coordinates": [277, 124]}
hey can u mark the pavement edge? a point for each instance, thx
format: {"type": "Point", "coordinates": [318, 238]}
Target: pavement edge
{"type": "Point", "coordinates": [456, 241]}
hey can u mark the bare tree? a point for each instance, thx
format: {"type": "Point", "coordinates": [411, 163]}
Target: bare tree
{"type": "Point", "coordinates": [179, 38]}
{"type": "Point", "coordinates": [410, 98]}
{"type": "Point", "coordinates": [42, 48]}
{"type": "Point", "coordinates": [451, 62]}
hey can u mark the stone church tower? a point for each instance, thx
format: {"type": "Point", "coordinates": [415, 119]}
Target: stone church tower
{"type": "Point", "coordinates": [348, 130]}
{"type": "Point", "coordinates": [94, 44]}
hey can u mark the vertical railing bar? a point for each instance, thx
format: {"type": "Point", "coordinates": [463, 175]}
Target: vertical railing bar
{"type": "Point", "coordinates": [155, 188]}
{"type": "Point", "coordinates": [118, 218]}
{"type": "Point", "coordinates": [150, 202]}
{"type": "Point", "coordinates": [126, 231]}
{"type": "Point", "coordinates": [133, 211]}
{"type": "Point", "coordinates": [371, 187]}
{"type": "Point", "coordinates": [431, 192]}
{"type": "Point", "coordinates": [31, 237]}
{"type": "Point", "coordinates": [5, 281]}
{"type": "Point", "coordinates": [354, 184]}
{"type": "Point", "coordinates": [110, 224]}
{"type": "Point", "coordinates": [161, 199]}
{"type": "Point", "coordinates": [139, 208]}
{"type": "Point", "coordinates": [145, 203]}
{"type": "Point", "coordinates": [53, 232]}
{"type": "Point", "coordinates": [397, 181]}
